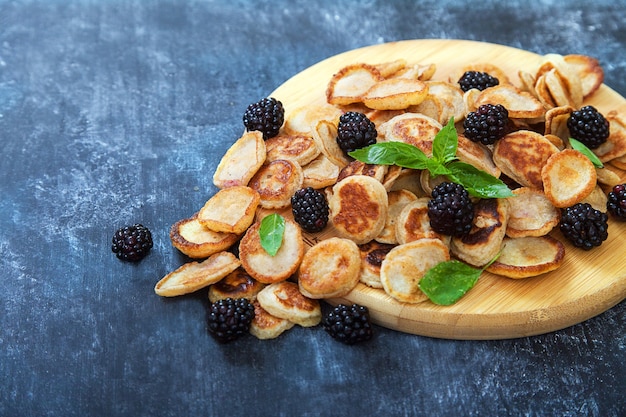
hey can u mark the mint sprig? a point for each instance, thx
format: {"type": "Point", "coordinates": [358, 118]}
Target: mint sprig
{"type": "Point", "coordinates": [443, 162]}
{"type": "Point", "coordinates": [582, 148]}
{"type": "Point", "coordinates": [448, 281]}
{"type": "Point", "coordinates": [271, 233]}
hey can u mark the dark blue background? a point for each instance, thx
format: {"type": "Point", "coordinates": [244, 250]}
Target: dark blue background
{"type": "Point", "coordinates": [114, 112]}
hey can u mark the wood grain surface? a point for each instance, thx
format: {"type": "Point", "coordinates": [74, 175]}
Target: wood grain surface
{"type": "Point", "coordinates": [587, 284]}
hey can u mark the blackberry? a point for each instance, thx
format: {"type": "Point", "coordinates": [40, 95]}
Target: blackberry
{"type": "Point", "coordinates": [487, 124]}
{"type": "Point", "coordinates": [266, 116]}
{"type": "Point", "coordinates": [355, 131]}
{"type": "Point", "coordinates": [477, 79]}
{"type": "Point", "coordinates": [132, 243]}
{"type": "Point", "coordinates": [616, 204]}
{"type": "Point", "coordinates": [584, 226]}
{"type": "Point", "coordinates": [310, 209]}
{"type": "Point", "coordinates": [450, 210]}
{"type": "Point", "coordinates": [348, 324]}
{"type": "Point", "coordinates": [230, 318]}
{"type": "Point", "coordinates": [588, 126]}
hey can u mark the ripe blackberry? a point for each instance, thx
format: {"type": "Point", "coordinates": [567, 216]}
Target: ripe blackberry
{"type": "Point", "coordinates": [310, 209]}
{"type": "Point", "coordinates": [616, 204]}
{"type": "Point", "coordinates": [230, 318]}
{"type": "Point", "coordinates": [266, 116]}
{"type": "Point", "coordinates": [584, 226]}
{"type": "Point", "coordinates": [131, 243]}
{"type": "Point", "coordinates": [477, 79]}
{"type": "Point", "coordinates": [487, 124]}
{"type": "Point", "coordinates": [355, 131]}
{"type": "Point", "coordinates": [450, 210]}
{"type": "Point", "coordinates": [348, 324]}
{"type": "Point", "coordinates": [588, 126]}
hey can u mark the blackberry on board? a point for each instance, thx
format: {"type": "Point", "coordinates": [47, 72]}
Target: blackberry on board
{"type": "Point", "coordinates": [132, 243]}
{"type": "Point", "coordinates": [230, 318]}
{"type": "Point", "coordinates": [584, 226]}
{"type": "Point", "coordinates": [348, 324]}
{"type": "Point", "coordinates": [616, 203]}
{"type": "Point", "coordinates": [588, 126]}
{"type": "Point", "coordinates": [487, 124]}
{"type": "Point", "coordinates": [266, 116]}
{"type": "Point", "coordinates": [477, 79]}
{"type": "Point", "coordinates": [310, 209]}
{"type": "Point", "coordinates": [355, 131]}
{"type": "Point", "coordinates": [450, 209]}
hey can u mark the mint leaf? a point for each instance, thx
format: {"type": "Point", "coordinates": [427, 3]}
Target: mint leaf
{"type": "Point", "coordinates": [271, 233]}
{"type": "Point", "coordinates": [446, 143]}
{"type": "Point", "coordinates": [580, 147]}
{"type": "Point", "coordinates": [447, 282]}
{"type": "Point", "coordinates": [477, 183]}
{"type": "Point", "coordinates": [392, 153]}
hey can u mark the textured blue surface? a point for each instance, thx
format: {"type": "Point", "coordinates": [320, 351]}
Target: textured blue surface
{"type": "Point", "coordinates": [116, 112]}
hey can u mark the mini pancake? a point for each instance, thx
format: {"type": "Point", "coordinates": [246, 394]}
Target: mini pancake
{"type": "Point", "coordinates": [372, 255]}
{"type": "Point", "coordinates": [395, 94]}
{"type": "Point", "coordinates": [350, 83]}
{"type": "Point", "coordinates": [297, 147]}
{"type": "Point", "coordinates": [477, 155]}
{"type": "Point", "coordinates": [397, 200]}
{"type": "Point", "coordinates": [520, 104]}
{"type": "Point", "coordinates": [531, 213]}
{"type": "Point", "coordinates": [521, 155]}
{"type": "Point", "coordinates": [405, 265]}
{"type": "Point", "coordinates": [413, 223]}
{"type": "Point", "coordinates": [196, 241]}
{"type": "Point", "coordinates": [230, 210]}
{"type": "Point", "coordinates": [237, 284]}
{"type": "Point", "coordinates": [302, 120]}
{"type": "Point", "coordinates": [276, 182]}
{"type": "Point", "coordinates": [530, 256]}
{"type": "Point", "coordinates": [241, 161]}
{"type": "Point", "coordinates": [320, 173]}
{"type": "Point", "coordinates": [361, 168]}
{"type": "Point", "coordinates": [413, 128]}
{"type": "Point", "coordinates": [358, 208]}
{"type": "Point", "coordinates": [568, 177]}
{"type": "Point", "coordinates": [266, 268]}
{"type": "Point", "coordinates": [265, 326]}
{"type": "Point", "coordinates": [193, 276]}
{"type": "Point", "coordinates": [329, 269]}
{"type": "Point", "coordinates": [589, 72]}
{"type": "Point", "coordinates": [484, 240]}
{"type": "Point", "coordinates": [284, 300]}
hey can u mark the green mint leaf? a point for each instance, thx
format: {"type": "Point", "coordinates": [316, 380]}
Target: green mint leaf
{"type": "Point", "coordinates": [477, 183]}
{"type": "Point", "coordinates": [580, 147]}
{"type": "Point", "coordinates": [435, 168]}
{"type": "Point", "coordinates": [446, 143]}
{"type": "Point", "coordinates": [271, 233]}
{"type": "Point", "coordinates": [392, 153]}
{"type": "Point", "coordinates": [447, 282]}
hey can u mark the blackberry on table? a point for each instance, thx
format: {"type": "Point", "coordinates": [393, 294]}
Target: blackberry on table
{"type": "Point", "coordinates": [355, 131]}
{"type": "Point", "coordinates": [584, 226]}
{"type": "Point", "coordinates": [616, 204]}
{"type": "Point", "coordinates": [266, 116]}
{"type": "Point", "coordinates": [450, 209]}
{"type": "Point", "coordinates": [588, 126]}
{"type": "Point", "coordinates": [487, 124]}
{"type": "Point", "coordinates": [310, 209]}
{"type": "Point", "coordinates": [477, 79]}
{"type": "Point", "coordinates": [131, 243]}
{"type": "Point", "coordinates": [230, 318]}
{"type": "Point", "coordinates": [348, 324]}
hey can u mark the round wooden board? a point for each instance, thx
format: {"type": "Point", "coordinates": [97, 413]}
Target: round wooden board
{"type": "Point", "coordinates": [587, 284]}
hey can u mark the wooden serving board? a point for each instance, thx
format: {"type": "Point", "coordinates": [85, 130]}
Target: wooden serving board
{"type": "Point", "coordinates": [587, 284]}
